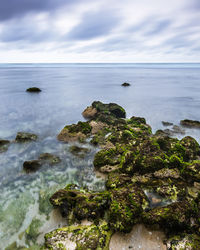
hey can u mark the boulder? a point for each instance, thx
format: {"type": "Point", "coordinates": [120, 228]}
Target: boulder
{"type": "Point", "coordinates": [25, 137]}
{"type": "Point", "coordinates": [4, 144]}
{"type": "Point", "coordinates": [166, 124]}
{"type": "Point", "coordinates": [190, 123]}
{"type": "Point", "coordinates": [126, 84]}
{"type": "Point", "coordinates": [49, 159]}
{"type": "Point", "coordinates": [33, 90]}
{"type": "Point", "coordinates": [31, 166]}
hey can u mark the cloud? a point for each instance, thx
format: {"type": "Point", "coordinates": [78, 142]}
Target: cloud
{"type": "Point", "coordinates": [16, 8]}
{"type": "Point", "coordinates": [94, 25]}
{"type": "Point", "coordinates": [159, 27]}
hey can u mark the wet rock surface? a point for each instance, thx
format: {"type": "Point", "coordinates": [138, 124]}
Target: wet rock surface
{"type": "Point", "coordinates": [190, 123]}
{"type": "Point", "coordinates": [25, 137]}
{"type": "Point", "coordinates": [152, 179]}
{"type": "Point", "coordinates": [4, 144]}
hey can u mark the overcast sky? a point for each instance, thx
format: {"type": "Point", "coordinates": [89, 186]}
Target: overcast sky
{"type": "Point", "coordinates": [99, 31]}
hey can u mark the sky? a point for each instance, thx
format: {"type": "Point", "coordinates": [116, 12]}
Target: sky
{"type": "Point", "coordinates": [78, 31]}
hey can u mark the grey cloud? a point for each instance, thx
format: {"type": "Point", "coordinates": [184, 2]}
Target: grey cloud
{"type": "Point", "coordinates": [93, 25]}
{"type": "Point", "coordinates": [16, 8]}
{"type": "Point", "coordinates": [24, 31]}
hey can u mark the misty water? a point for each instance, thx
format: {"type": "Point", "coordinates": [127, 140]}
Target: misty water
{"type": "Point", "coordinates": [158, 92]}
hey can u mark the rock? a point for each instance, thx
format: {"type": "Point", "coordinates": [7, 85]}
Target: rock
{"type": "Point", "coordinates": [49, 159]}
{"type": "Point", "coordinates": [80, 237]}
{"type": "Point", "coordinates": [184, 241]}
{"type": "Point", "coordinates": [166, 173]}
{"type": "Point", "coordinates": [177, 130]}
{"type": "Point", "coordinates": [34, 90]}
{"type": "Point", "coordinates": [79, 151]}
{"type": "Point", "coordinates": [80, 204]}
{"type": "Point", "coordinates": [190, 123]}
{"type": "Point", "coordinates": [112, 108]}
{"type": "Point", "coordinates": [166, 124]}
{"type": "Point", "coordinates": [25, 137]}
{"type": "Point", "coordinates": [4, 144]}
{"type": "Point", "coordinates": [126, 84]}
{"type": "Point", "coordinates": [89, 113]}
{"type": "Point", "coordinates": [31, 166]}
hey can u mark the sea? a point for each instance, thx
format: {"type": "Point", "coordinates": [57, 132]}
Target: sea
{"type": "Point", "coordinates": [158, 92]}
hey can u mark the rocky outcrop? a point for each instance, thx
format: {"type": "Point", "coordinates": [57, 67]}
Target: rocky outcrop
{"type": "Point", "coordinates": [152, 179]}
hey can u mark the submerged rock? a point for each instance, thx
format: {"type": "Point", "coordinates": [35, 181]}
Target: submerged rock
{"type": "Point", "coordinates": [4, 144]}
{"type": "Point", "coordinates": [79, 151]}
{"type": "Point", "coordinates": [126, 84]}
{"type": "Point", "coordinates": [166, 124]}
{"type": "Point", "coordinates": [190, 123]}
{"type": "Point", "coordinates": [34, 90]}
{"type": "Point", "coordinates": [25, 137]}
{"type": "Point", "coordinates": [49, 159]}
{"type": "Point", "coordinates": [31, 166]}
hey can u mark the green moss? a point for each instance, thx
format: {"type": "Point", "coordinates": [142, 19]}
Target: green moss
{"type": "Point", "coordinates": [106, 157]}
{"type": "Point", "coordinates": [84, 237]}
{"type": "Point", "coordinates": [83, 127]}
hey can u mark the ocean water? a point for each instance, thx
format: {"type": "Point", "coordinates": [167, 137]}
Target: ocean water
{"type": "Point", "coordinates": [158, 92]}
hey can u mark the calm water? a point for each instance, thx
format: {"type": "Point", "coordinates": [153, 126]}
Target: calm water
{"type": "Point", "coordinates": [168, 92]}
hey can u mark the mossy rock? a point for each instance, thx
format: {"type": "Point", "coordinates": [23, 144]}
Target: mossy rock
{"type": "Point", "coordinates": [184, 241]}
{"type": "Point", "coordinates": [49, 159]}
{"type": "Point", "coordinates": [79, 151]}
{"type": "Point", "coordinates": [80, 204]}
{"type": "Point", "coordinates": [172, 218]}
{"type": "Point", "coordinates": [125, 207]}
{"type": "Point", "coordinates": [112, 109]}
{"type": "Point", "coordinates": [75, 132]}
{"type": "Point", "coordinates": [25, 137]}
{"type": "Point", "coordinates": [190, 123]}
{"type": "Point", "coordinates": [106, 157]}
{"type": "Point", "coordinates": [80, 237]}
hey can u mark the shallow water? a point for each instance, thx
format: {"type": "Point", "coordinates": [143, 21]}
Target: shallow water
{"type": "Point", "coordinates": [168, 92]}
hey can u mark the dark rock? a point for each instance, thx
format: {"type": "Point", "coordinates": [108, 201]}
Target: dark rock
{"type": "Point", "coordinates": [177, 130]}
{"type": "Point", "coordinates": [80, 204]}
{"type": "Point", "coordinates": [190, 123]}
{"type": "Point", "coordinates": [49, 159]}
{"type": "Point", "coordinates": [4, 144]}
{"type": "Point", "coordinates": [25, 137]}
{"type": "Point", "coordinates": [126, 84]}
{"type": "Point", "coordinates": [166, 124]}
{"type": "Point", "coordinates": [31, 166]}
{"type": "Point", "coordinates": [79, 151]}
{"type": "Point", "coordinates": [34, 90]}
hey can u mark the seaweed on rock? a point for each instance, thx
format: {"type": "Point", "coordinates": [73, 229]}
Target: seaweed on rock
{"type": "Point", "coordinates": [137, 163]}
